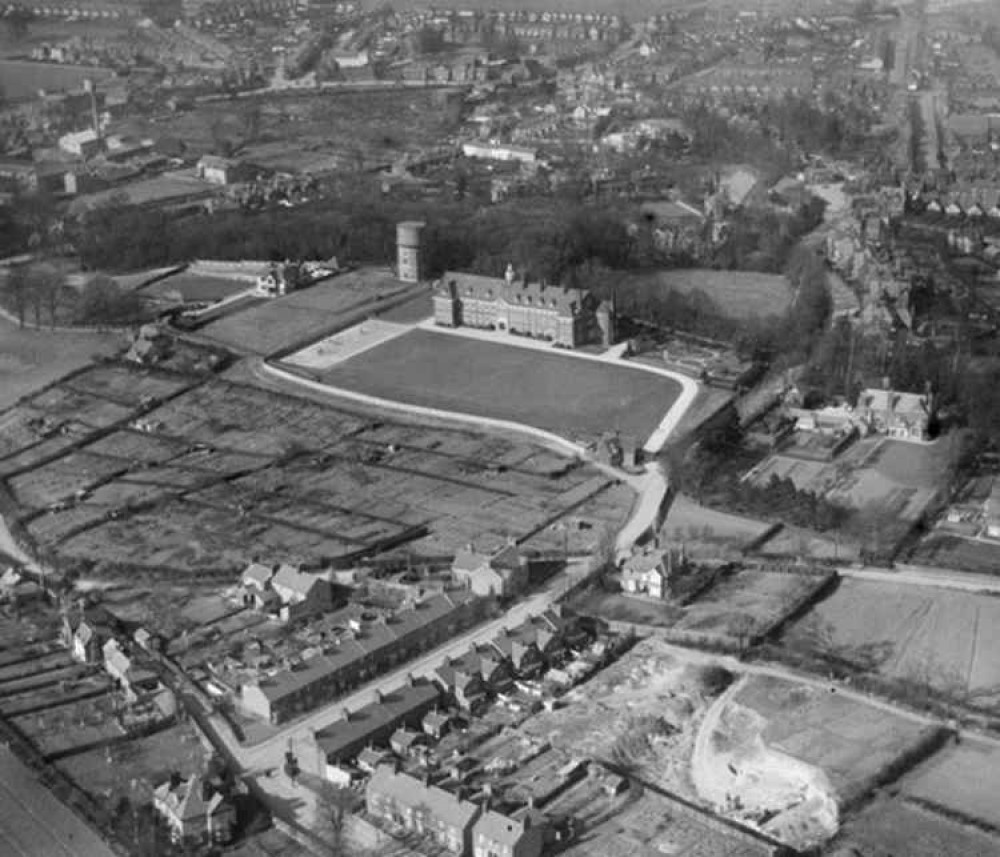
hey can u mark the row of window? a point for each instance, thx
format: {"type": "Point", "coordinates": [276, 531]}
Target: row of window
{"type": "Point", "coordinates": [528, 299]}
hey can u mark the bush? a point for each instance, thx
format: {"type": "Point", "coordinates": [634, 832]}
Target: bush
{"type": "Point", "coordinates": [715, 679]}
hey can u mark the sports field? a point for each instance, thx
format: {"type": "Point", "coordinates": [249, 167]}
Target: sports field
{"type": "Point", "coordinates": [557, 392]}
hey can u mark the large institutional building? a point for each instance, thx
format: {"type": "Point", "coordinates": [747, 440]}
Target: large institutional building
{"type": "Point", "coordinates": [512, 304]}
{"type": "Point", "coordinates": [568, 317]}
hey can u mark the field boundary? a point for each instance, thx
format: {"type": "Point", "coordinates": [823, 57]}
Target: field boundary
{"type": "Point", "coordinates": [547, 438]}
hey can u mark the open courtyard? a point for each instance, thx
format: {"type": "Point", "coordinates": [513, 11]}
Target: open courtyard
{"type": "Point", "coordinates": [575, 398]}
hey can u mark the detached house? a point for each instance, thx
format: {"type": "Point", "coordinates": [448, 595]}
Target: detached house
{"type": "Point", "coordinates": [485, 662]}
{"type": "Point", "coordinates": [503, 574]}
{"type": "Point", "coordinates": [648, 573]}
{"type": "Point", "coordinates": [287, 591]}
{"type": "Point", "coordinates": [134, 680]}
{"type": "Point", "coordinates": [194, 811]}
{"type": "Point", "coordinates": [523, 657]}
{"type": "Point", "coordinates": [84, 638]}
{"type": "Point", "coordinates": [905, 416]}
{"type": "Point", "coordinates": [464, 685]}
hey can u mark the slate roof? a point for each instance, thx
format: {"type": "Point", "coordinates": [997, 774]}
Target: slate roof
{"type": "Point", "coordinates": [408, 791]}
{"type": "Point", "coordinates": [497, 827]}
{"type": "Point", "coordinates": [185, 801]}
{"type": "Point", "coordinates": [564, 301]}
{"type": "Point", "coordinates": [289, 577]}
{"type": "Point", "coordinates": [339, 737]}
{"type": "Point", "coordinates": [257, 574]}
{"type": "Point", "coordinates": [373, 637]}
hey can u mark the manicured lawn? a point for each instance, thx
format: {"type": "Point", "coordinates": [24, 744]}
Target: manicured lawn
{"type": "Point", "coordinates": [564, 394]}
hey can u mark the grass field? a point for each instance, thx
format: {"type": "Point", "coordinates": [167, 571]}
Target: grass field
{"type": "Point", "coordinates": [572, 397]}
{"type": "Point", "coordinates": [894, 828]}
{"type": "Point", "coordinates": [964, 779]}
{"type": "Point", "coordinates": [747, 603]}
{"type": "Point", "coordinates": [147, 762]}
{"type": "Point", "coordinates": [195, 287]}
{"type": "Point", "coordinates": [23, 78]}
{"type": "Point", "coordinates": [30, 359]}
{"type": "Point", "coordinates": [951, 551]}
{"type": "Point", "coordinates": [741, 294]}
{"type": "Point", "coordinates": [707, 531]}
{"type": "Point", "coordinates": [303, 315]}
{"type": "Point", "coordinates": [944, 638]}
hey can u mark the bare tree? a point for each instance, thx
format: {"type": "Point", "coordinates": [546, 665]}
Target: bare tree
{"type": "Point", "coordinates": [335, 804]}
{"type": "Point", "coordinates": [17, 287]}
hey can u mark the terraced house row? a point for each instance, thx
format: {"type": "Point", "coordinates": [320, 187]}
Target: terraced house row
{"type": "Point", "coordinates": [365, 650]}
{"type": "Point", "coordinates": [466, 683]}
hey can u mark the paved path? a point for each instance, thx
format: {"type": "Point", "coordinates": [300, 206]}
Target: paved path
{"type": "Point", "coordinates": [944, 578]}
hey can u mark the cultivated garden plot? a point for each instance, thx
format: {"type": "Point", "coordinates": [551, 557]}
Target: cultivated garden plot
{"type": "Point", "coordinates": [945, 639]}
{"type": "Point", "coordinates": [889, 483]}
{"type": "Point", "coordinates": [132, 768]}
{"type": "Point", "coordinates": [63, 478]}
{"type": "Point", "coordinates": [747, 603]}
{"type": "Point", "coordinates": [67, 728]}
{"type": "Point", "coordinates": [224, 472]}
{"type": "Point", "coordinates": [126, 385]}
{"type": "Point", "coordinates": [953, 551]}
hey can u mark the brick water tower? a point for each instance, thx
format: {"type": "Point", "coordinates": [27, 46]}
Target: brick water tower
{"type": "Point", "coordinates": [408, 250]}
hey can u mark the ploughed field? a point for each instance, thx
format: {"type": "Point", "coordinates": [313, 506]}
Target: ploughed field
{"type": "Point", "coordinates": [946, 639]}
{"type": "Point", "coordinates": [556, 392]}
